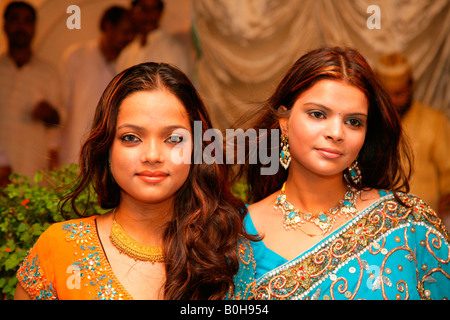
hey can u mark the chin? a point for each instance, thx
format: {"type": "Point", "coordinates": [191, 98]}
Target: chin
{"type": "Point", "coordinates": [152, 200]}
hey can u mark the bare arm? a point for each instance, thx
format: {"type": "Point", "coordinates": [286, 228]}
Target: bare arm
{"type": "Point", "coordinates": [21, 294]}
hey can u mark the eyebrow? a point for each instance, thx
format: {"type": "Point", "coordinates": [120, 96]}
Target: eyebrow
{"type": "Point", "coordinates": [139, 128]}
{"type": "Point", "coordinates": [329, 110]}
{"type": "Point", "coordinates": [317, 105]}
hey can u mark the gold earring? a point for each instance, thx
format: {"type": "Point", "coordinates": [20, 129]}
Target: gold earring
{"type": "Point", "coordinates": [354, 173]}
{"type": "Point", "coordinates": [285, 155]}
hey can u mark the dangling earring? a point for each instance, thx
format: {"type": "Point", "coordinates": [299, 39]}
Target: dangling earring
{"type": "Point", "coordinates": [285, 155]}
{"type": "Point", "coordinates": [354, 173]}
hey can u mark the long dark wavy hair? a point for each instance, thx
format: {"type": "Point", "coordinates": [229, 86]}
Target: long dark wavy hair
{"type": "Point", "coordinates": [385, 151]}
{"type": "Point", "coordinates": [200, 243]}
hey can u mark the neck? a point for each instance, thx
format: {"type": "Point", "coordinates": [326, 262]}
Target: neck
{"type": "Point", "coordinates": [108, 53]}
{"type": "Point", "coordinates": [313, 193]}
{"type": "Point", "coordinates": [143, 35]}
{"type": "Point", "coordinates": [403, 110]}
{"type": "Point", "coordinates": [142, 38]}
{"type": "Point", "coordinates": [144, 223]}
{"type": "Point", "coordinates": [20, 56]}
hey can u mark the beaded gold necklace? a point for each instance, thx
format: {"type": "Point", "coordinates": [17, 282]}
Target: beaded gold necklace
{"type": "Point", "coordinates": [130, 247]}
{"type": "Point", "coordinates": [294, 218]}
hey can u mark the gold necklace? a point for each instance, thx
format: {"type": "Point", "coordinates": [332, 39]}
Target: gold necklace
{"type": "Point", "coordinates": [136, 250]}
{"type": "Point", "coordinates": [294, 218]}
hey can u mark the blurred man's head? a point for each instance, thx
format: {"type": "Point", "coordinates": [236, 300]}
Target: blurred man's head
{"type": "Point", "coordinates": [117, 27]}
{"type": "Point", "coordinates": [146, 15]}
{"type": "Point", "coordinates": [394, 73]}
{"type": "Point", "coordinates": [19, 24]}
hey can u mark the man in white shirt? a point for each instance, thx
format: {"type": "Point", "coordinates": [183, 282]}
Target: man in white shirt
{"type": "Point", "coordinates": [152, 43]}
{"type": "Point", "coordinates": [87, 70]}
{"type": "Point", "coordinates": [30, 104]}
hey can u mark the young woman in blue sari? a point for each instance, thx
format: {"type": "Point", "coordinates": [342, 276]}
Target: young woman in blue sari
{"type": "Point", "coordinates": [336, 220]}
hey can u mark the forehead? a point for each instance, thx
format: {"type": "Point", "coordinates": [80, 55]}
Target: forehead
{"type": "Point", "coordinates": [149, 4]}
{"type": "Point", "coordinates": [153, 108]}
{"type": "Point", "coordinates": [19, 12]}
{"type": "Point", "coordinates": [334, 94]}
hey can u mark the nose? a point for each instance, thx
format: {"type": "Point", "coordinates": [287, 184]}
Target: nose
{"type": "Point", "coordinates": [335, 130]}
{"type": "Point", "coordinates": [152, 152]}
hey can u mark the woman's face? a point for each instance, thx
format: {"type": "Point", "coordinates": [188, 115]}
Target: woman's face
{"type": "Point", "coordinates": [326, 128]}
{"type": "Point", "coordinates": [147, 135]}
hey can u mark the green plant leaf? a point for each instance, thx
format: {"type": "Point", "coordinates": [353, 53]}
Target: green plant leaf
{"type": "Point", "coordinates": [20, 227]}
{"type": "Point", "coordinates": [38, 177]}
{"type": "Point", "coordinates": [11, 262]}
{"type": "Point", "coordinates": [23, 227]}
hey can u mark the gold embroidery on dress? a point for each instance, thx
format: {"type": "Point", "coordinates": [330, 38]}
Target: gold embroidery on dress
{"type": "Point", "coordinates": [297, 278]}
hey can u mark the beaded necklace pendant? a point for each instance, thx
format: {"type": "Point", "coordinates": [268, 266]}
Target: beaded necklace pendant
{"type": "Point", "coordinates": [293, 218]}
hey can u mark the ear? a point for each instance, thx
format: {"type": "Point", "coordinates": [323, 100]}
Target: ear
{"type": "Point", "coordinates": [284, 120]}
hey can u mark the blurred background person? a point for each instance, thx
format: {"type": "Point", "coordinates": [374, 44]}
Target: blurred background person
{"type": "Point", "coordinates": [428, 130]}
{"type": "Point", "coordinates": [152, 43]}
{"type": "Point", "coordinates": [87, 69]}
{"type": "Point", "coordinates": [5, 169]}
{"type": "Point", "coordinates": [30, 101]}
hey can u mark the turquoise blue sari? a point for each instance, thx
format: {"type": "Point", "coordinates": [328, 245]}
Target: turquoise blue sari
{"type": "Point", "coordinates": [388, 251]}
{"type": "Point", "coordinates": [244, 279]}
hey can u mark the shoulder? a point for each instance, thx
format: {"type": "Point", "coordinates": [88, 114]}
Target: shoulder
{"type": "Point", "coordinates": [260, 215]}
{"type": "Point", "coordinates": [58, 239]}
{"type": "Point", "coordinates": [42, 63]}
{"type": "Point", "coordinates": [426, 108]}
{"type": "Point", "coordinates": [78, 52]}
{"type": "Point", "coordinates": [72, 223]}
{"type": "Point", "coordinates": [160, 33]}
{"type": "Point", "coordinates": [390, 212]}
{"type": "Point", "coordinates": [412, 209]}
{"type": "Point", "coordinates": [422, 111]}
{"type": "Point", "coordinates": [161, 37]}
{"type": "Point", "coordinates": [5, 61]}
{"type": "Point", "coordinates": [261, 207]}
{"type": "Point", "coordinates": [43, 70]}
{"type": "Point", "coordinates": [81, 230]}
{"type": "Point", "coordinates": [51, 254]}
{"type": "Point", "coordinates": [63, 232]}
{"type": "Point", "coordinates": [79, 48]}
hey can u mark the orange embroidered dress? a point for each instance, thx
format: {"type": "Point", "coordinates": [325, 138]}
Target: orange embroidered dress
{"type": "Point", "coordinates": [68, 262]}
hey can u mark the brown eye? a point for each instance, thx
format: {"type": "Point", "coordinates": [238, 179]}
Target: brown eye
{"type": "Point", "coordinates": [317, 114]}
{"type": "Point", "coordinates": [354, 122]}
{"type": "Point", "coordinates": [130, 138]}
{"type": "Point", "coordinates": [175, 139]}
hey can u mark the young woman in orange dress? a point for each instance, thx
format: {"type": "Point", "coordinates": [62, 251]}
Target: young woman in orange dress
{"type": "Point", "coordinates": [174, 228]}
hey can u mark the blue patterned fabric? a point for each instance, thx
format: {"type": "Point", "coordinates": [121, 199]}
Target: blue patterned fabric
{"type": "Point", "coordinates": [388, 251]}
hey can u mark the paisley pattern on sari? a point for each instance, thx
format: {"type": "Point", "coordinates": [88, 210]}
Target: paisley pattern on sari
{"type": "Point", "coordinates": [388, 251]}
{"type": "Point", "coordinates": [244, 278]}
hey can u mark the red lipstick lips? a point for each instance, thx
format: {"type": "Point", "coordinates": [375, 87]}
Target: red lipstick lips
{"type": "Point", "coordinates": [329, 153]}
{"type": "Point", "coordinates": [152, 176]}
